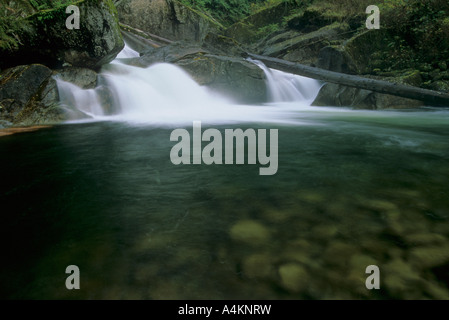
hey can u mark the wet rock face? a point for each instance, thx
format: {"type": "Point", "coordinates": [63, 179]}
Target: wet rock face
{"type": "Point", "coordinates": [82, 77]}
{"type": "Point", "coordinates": [335, 59]}
{"type": "Point", "coordinates": [29, 95]}
{"type": "Point", "coordinates": [49, 42]}
{"type": "Point", "coordinates": [166, 18]}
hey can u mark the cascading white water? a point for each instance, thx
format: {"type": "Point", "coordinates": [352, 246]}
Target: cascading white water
{"type": "Point", "coordinates": [164, 93]}
{"type": "Point", "coordinates": [84, 100]}
{"type": "Point", "coordinates": [127, 52]}
{"type": "Point", "coordinates": [287, 87]}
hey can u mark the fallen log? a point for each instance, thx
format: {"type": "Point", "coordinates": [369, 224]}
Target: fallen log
{"type": "Point", "coordinates": [433, 98]}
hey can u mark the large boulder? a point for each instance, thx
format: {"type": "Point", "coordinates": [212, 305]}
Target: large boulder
{"type": "Point", "coordinates": [342, 96]}
{"type": "Point", "coordinates": [167, 18]}
{"type": "Point", "coordinates": [231, 76]}
{"type": "Point", "coordinates": [29, 95]}
{"type": "Point", "coordinates": [334, 58]}
{"type": "Point", "coordinates": [47, 40]}
{"type": "Point", "coordinates": [82, 77]}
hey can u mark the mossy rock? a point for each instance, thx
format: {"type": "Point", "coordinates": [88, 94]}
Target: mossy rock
{"type": "Point", "coordinates": [247, 31]}
{"type": "Point", "coordinates": [169, 19]}
{"type": "Point", "coordinates": [363, 47]}
{"type": "Point", "coordinates": [304, 48]}
{"type": "Point", "coordinates": [242, 32]}
{"type": "Point", "coordinates": [48, 41]}
{"type": "Point", "coordinates": [222, 44]}
{"type": "Point", "coordinates": [313, 19]}
{"type": "Point", "coordinates": [29, 96]}
{"type": "Point", "coordinates": [440, 85]}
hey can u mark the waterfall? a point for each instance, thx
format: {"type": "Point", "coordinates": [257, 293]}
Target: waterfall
{"type": "Point", "coordinates": [79, 100]}
{"type": "Point", "coordinates": [286, 87]}
{"type": "Point", "coordinates": [127, 52]}
{"type": "Point", "coordinates": [165, 93]}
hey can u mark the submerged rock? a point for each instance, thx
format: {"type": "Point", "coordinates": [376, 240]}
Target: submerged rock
{"type": "Point", "coordinates": [338, 254]}
{"type": "Point", "coordinates": [258, 266]}
{"type": "Point", "coordinates": [425, 239]}
{"type": "Point", "coordinates": [293, 277]}
{"type": "Point", "coordinates": [401, 280]}
{"type": "Point", "coordinates": [430, 257]}
{"type": "Point", "coordinates": [250, 232]}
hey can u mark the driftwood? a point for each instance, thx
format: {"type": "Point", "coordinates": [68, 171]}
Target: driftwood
{"type": "Point", "coordinates": [430, 97]}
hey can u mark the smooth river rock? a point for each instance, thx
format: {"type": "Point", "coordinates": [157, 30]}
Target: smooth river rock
{"type": "Point", "coordinates": [250, 232]}
{"type": "Point", "coordinates": [293, 277]}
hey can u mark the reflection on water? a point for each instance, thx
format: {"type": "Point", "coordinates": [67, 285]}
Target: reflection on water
{"type": "Point", "coordinates": [353, 189]}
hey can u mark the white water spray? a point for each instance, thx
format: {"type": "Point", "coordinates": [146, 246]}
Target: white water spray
{"type": "Point", "coordinates": [287, 87]}
{"type": "Point", "coordinates": [85, 101]}
{"type": "Point", "coordinates": [165, 94]}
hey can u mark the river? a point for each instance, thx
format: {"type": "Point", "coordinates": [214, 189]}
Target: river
{"type": "Point", "coordinates": [353, 189]}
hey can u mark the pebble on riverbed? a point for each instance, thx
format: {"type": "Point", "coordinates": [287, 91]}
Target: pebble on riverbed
{"type": "Point", "coordinates": [430, 257]}
{"type": "Point", "coordinates": [293, 277]}
{"type": "Point", "coordinates": [424, 239]}
{"type": "Point", "coordinates": [250, 232]}
{"type": "Point", "coordinates": [258, 266]}
{"type": "Point", "coordinates": [338, 254]}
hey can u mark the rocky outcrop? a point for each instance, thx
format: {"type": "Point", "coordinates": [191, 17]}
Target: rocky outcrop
{"type": "Point", "coordinates": [167, 18]}
{"type": "Point", "coordinates": [364, 50]}
{"type": "Point", "coordinates": [29, 95]}
{"type": "Point", "coordinates": [300, 47]}
{"type": "Point", "coordinates": [231, 76]}
{"type": "Point", "coordinates": [48, 41]}
{"type": "Point", "coordinates": [334, 58]}
{"type": "Point", "coordinates": [342, 96]}
{"type": "Point", "coordinates": [82, 77]}
{"type": "Point", "coordinates": [247, 30]}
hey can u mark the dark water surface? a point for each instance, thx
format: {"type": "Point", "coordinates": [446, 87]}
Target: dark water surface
{"type": "Point", "coordinates": [353, 189]}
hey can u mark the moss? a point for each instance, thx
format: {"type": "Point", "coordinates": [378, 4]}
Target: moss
{"type": "Point", "coordinates": [364, 49]}
{"type": "Point", "coordinates": [202, 15]}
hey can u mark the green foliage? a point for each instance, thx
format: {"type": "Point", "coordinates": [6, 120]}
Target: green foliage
{"type": "Point", "coordinates": [13, 22]}
{"type": "Point", "coordinates": [261, 5]}
{"type": "Point", "coordinates": [226, 12]}
{"type": "Point", "coordinates": [11, 25]}
{"type": "Point", "coordinates": [49, 4]}
{"type": "Point", "coordinates": [419, 29]}
{"type": "Point", "coordinates": [267, 30]}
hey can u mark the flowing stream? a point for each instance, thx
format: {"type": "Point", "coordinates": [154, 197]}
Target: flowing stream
{"type": "Point", "coordinates": [353, 189]}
